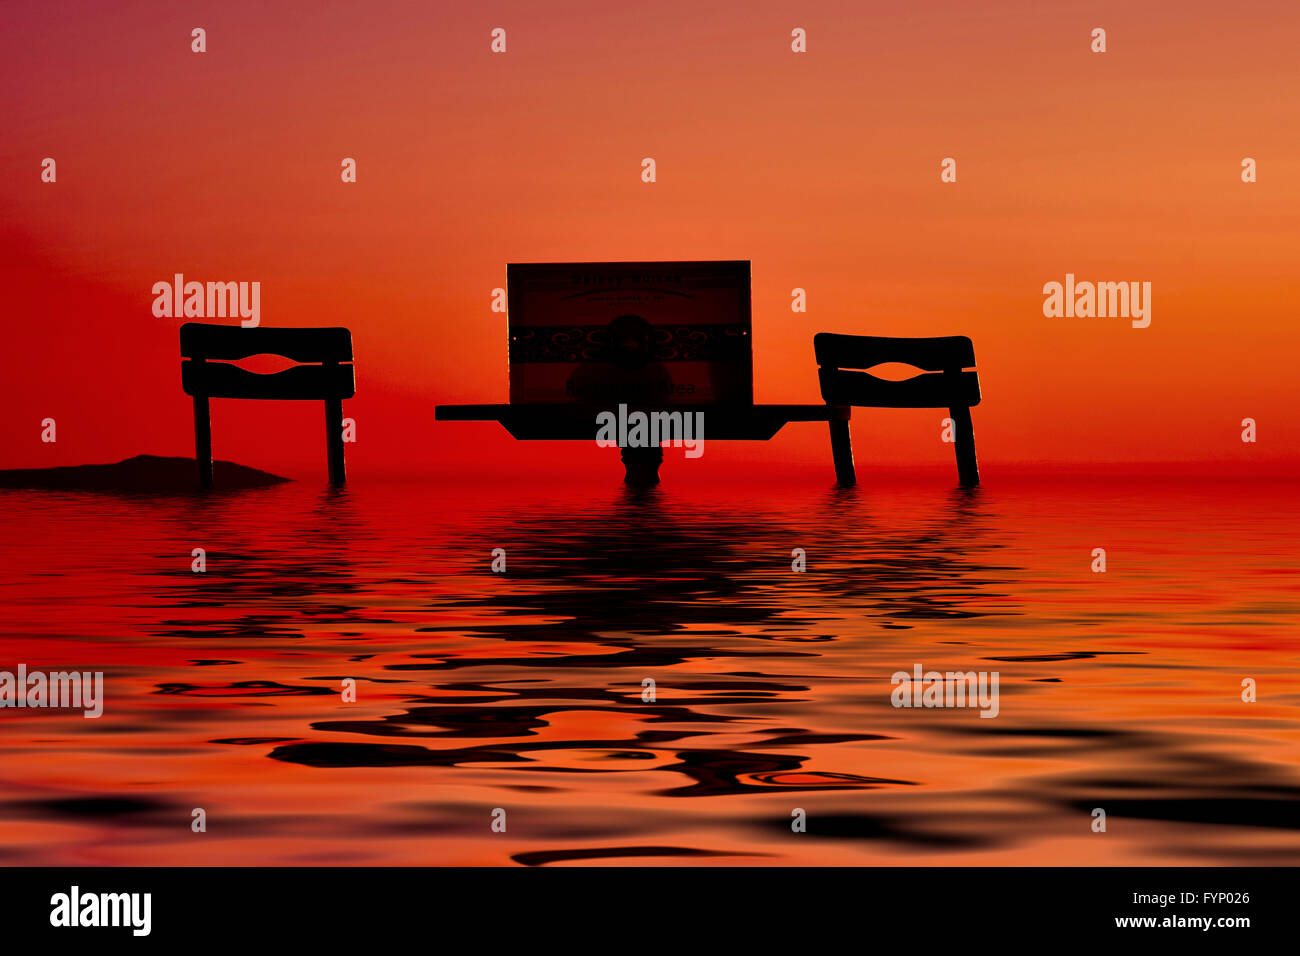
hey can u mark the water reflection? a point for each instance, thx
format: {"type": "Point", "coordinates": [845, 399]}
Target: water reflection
{"type": "Point", "coordinates": [650, 678]}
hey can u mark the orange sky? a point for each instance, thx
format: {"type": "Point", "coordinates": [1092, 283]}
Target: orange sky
{"type": "Point", "coordinates": [820, 168]}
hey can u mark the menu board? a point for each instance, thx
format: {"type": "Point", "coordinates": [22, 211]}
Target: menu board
{"type": "Point", "coordinates": [640, 333]}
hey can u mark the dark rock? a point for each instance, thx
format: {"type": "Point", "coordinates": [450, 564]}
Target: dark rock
{"type": "Point", "coordinates": [141, 473]}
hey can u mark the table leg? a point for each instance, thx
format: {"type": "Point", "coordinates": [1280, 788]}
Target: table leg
{"type": "Point", "coordinates": [641, 466]}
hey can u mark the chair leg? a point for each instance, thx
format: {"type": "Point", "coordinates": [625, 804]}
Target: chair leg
{"type": "Point", "coordinates": [968, 472]}
{"type": "Point", "coordinates": [203, 440]}
{"type": "Point", "coordinates": [334, 440]}
{"type": "Point", "coordinates": [842, 453]}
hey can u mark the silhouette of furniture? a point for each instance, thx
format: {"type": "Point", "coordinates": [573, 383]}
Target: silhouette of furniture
{"type": "Point", "coordinates": [730, 422]}
{"type": "Point", "coordinates": [206, 372]}
{"type": "Point", "coordinates": [945, 383]}
{"type": "Point", "coordinates": [656, 337]}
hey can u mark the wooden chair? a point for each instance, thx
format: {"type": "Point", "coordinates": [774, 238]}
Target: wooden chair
{"type": "Point", "coordinates": [206, 373]}
{"type": "Point", "coordinates": [944, 385]}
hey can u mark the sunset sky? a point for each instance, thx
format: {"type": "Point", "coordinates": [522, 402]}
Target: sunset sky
{"type": "Point", "coordinates": [821, 168]}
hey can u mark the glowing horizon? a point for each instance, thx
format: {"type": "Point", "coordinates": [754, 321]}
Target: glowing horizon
{"type": "Point", "coordinates": [822, 169]}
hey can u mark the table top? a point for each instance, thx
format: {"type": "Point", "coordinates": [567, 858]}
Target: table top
{"type": "Point", "coordinates": [577, 421]}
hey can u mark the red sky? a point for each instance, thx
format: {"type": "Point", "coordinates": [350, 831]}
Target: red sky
{"type": "Point", "coordinates": [821, 168]}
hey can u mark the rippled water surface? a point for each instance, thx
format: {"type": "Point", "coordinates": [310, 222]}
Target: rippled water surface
{"type": "Point", "coordinates": [525, 691]}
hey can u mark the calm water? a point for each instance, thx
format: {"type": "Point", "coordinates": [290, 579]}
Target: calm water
{"type": "Point", "coordinates": [523, 690]}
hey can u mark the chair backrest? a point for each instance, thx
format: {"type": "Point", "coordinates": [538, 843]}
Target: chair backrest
{"type": "Point", "coordinates": [208, 350]}
{"type": "Point", "coordinates": [944, 384]}
{"type": "Point", "coordinates": [663, 333]}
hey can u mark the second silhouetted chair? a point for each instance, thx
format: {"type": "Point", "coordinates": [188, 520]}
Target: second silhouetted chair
{"type": "Point", "coordinates": [207, 372]}
{"type": "Point", "coordinates": [944, 384]}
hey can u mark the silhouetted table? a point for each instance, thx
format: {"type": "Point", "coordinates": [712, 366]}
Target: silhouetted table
{"type": "Point", "coordinates": [577, 422]}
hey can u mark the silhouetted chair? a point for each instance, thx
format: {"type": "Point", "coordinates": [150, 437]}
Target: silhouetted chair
{"type": "Point", "coordinates": [206, 373]}
{"type": "Point", "coordinates": [944, 385]}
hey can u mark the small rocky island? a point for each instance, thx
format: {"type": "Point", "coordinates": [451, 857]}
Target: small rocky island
{"type": "Point", "coordinates": [146, 473]}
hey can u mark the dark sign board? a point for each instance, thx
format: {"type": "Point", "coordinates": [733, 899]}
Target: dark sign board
{"type": "Point", "coordinates": [670, 333]}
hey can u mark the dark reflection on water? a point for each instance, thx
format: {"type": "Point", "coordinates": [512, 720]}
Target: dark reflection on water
{"type": "Point", "coordinates": [645, 647]}
{"type": "Point", "coordinates": [623, 578]}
